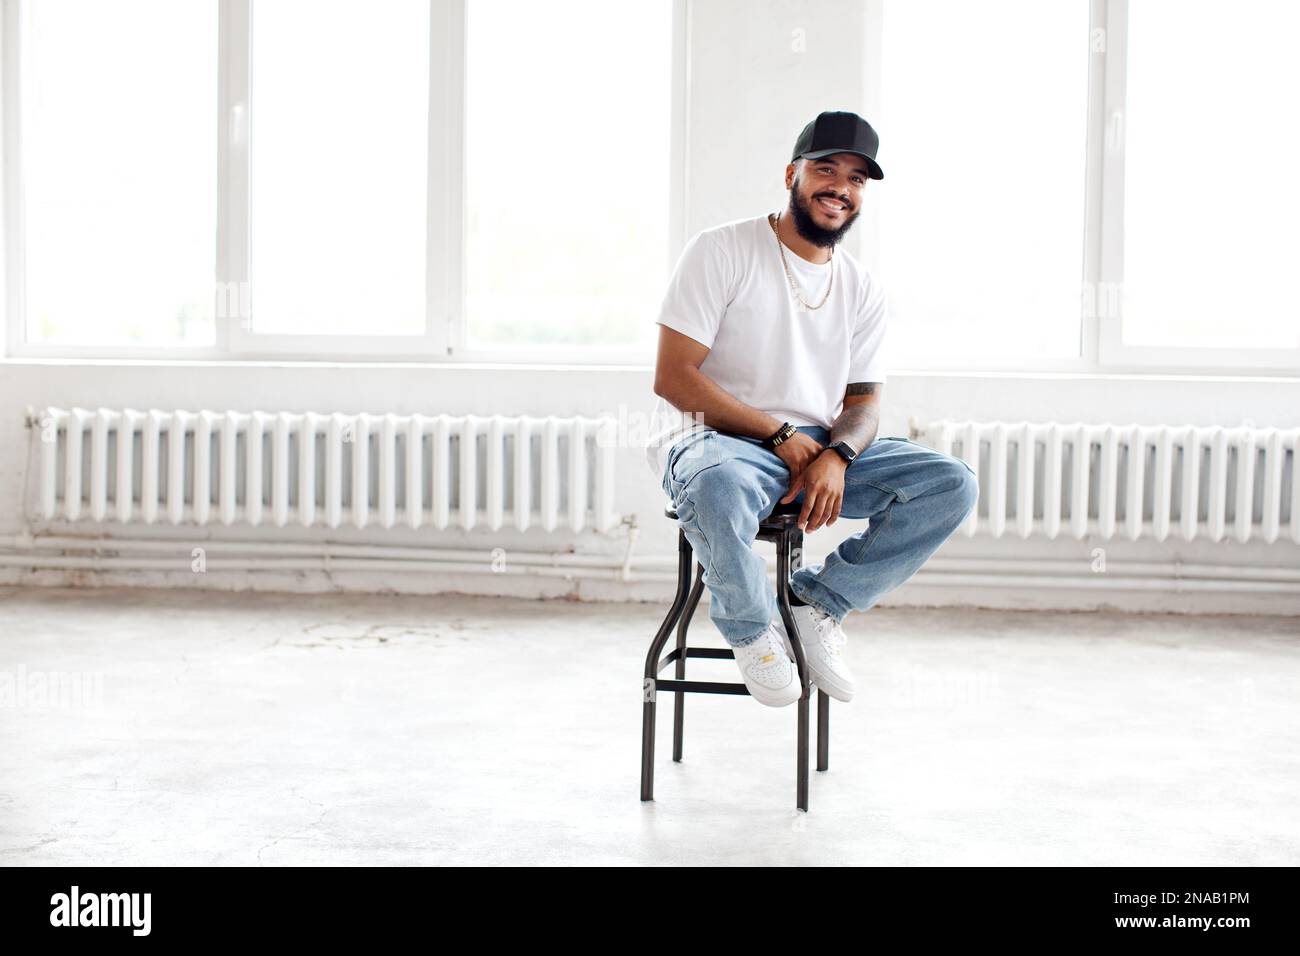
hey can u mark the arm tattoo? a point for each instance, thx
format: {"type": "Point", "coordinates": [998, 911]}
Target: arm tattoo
{"type": "Point", "coordinates": [857, 424]}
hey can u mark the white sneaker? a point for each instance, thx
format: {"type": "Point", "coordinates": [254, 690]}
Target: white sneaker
{"type": "Point", "coordinates": [823, 640]}
{"type": "Point", "coordinates": [767, 669]}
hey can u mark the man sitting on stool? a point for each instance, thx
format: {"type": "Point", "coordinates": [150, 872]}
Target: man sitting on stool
{"type": "Point", "coordinates": [770, 351]}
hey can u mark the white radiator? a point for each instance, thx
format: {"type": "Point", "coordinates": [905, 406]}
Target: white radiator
{"type": "Point", "coordinates": [1131, 480]}
{"type": "Point", "coordinates": [326, 469]}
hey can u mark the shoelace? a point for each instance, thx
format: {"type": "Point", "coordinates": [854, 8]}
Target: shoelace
{"type": "Point", "coordinates": [828, 625]}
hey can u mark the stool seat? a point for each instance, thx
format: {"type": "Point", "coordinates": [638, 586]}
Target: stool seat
{"type": "Point", "coordinates": [782, 516]}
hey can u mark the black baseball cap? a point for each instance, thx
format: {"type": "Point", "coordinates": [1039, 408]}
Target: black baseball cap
{"type": "Point", "coordinates": [838, 132]}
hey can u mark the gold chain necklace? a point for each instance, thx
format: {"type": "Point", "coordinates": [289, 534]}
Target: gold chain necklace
{"type": "Point", "coordinates": [794, 288]}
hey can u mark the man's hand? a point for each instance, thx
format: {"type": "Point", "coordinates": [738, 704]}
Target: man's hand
{"type": "Point", "coordinates": [798, 451]}
{"type": "Point", "coordinates": [823, 485]}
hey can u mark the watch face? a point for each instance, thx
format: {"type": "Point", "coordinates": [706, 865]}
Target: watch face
{"type": "Point", "coordinates": [844, 451]}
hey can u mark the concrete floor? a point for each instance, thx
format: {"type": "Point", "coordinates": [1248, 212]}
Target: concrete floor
{"type": "Point", "coordinates": [358, 729]}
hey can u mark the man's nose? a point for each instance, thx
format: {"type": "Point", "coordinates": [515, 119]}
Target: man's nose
{"type": "Point", "coordinates": [840, 185]}
{"type": "Point", "coordinates": [841, 189]}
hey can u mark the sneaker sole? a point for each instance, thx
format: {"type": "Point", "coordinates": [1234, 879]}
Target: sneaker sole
{"type": "Point", "coordinates": [777, 698]}
{"type": "Point", "coordinates": [828, 683]}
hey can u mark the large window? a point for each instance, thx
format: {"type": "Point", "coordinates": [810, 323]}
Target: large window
{"type": "Point", "coordinates": [1211, 195]}
{"type": "Point", "coordinates": [1075, 185]}
{"type": "Point", "coordinates": [411, 179]}
{"type": "Point", "coordinates": [1100, 185]}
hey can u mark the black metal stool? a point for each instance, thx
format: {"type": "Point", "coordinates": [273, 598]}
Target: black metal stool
{"type": "Point", "coordinates": [780, 527]}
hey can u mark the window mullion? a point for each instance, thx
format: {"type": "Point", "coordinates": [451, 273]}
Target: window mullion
{"type": "Point", "coordinates": [1092, 191]}
{"type": "Point", "coordinates": [12, 260]}
{"type": "Point", "coordinates": [1108, 291]}
{"type": "Point", "coordinates": [231, 290]}
{"type": "Point", "coordinates": [445, 245]}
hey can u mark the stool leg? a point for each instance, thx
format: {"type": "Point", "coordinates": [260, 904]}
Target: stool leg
{"type": "Point", "coordinates": [684, 560]}
{"type": "Point", "coordinates": [801, 761]}
{"type": "Point", "coordinates": [823, 730]}
{"type": "Point", "coordinates": [823, 701]}
{"type": "Point", "coordinates": [679, 705]}
{"type": "Point", "coordinates": [792, 540]}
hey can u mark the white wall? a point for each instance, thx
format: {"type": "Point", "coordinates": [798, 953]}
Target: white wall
{"type": "Point", "coordinates": [750, 96]}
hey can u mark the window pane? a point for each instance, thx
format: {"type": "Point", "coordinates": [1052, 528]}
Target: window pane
{"type": "Point", "coordinates": [338, 146]}
{"type": "Point", "coordinates": [1211, 196]}
{"type": "Point", "coordinates": [567, 169]}
{"type": "Point", "coordinates": [983, 137]}
{"type": "Point", "coordinates": [119, 172]}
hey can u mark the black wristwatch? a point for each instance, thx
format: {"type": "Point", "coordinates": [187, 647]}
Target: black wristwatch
{"type": "Point", "coordinates": [782, 434]}
{"type": "Point", "coordinates": [844, 450]}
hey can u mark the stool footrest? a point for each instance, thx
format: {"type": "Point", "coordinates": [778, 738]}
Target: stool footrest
{"type": "Point", "coordinates": [699, 687]}
{"type": "Point", "coordinates": [715, 653]}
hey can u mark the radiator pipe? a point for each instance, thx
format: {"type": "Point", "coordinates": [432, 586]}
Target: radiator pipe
{"type": "Point", "coordinates": [307, 549]}
{"type": "Point", "coordinates": [925, 577]}
{"type": "Point", "coordinates": [469, 557]}
{"type": "Point", "coordinates": [322, 563]}
{"type": "Point", "coordinates": [288, 555]}
{"type": "Point", "coordinates": [29, 552]}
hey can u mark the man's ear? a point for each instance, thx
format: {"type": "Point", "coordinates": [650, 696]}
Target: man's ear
{"type": "Point", "coordinates": [789, 175]}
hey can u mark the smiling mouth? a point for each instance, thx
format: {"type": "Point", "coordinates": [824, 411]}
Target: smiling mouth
{"type": "Point", "coordinates": [832, 206]}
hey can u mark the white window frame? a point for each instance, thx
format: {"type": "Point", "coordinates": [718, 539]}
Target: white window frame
{"type": "Point", "coordinates": [1111, 347]}
{"type": "Point", "coordinates": [445, 335]}
{"type": "Point", "coordinates": [443, 207]}
{"type": "Point", "coordinates": [1101, 348]}
{"type": "Point", "coordinates": [871, 236]}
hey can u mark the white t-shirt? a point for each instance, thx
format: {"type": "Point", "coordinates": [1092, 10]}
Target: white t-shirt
{"type": "Point", "coordinates": [730, 292]}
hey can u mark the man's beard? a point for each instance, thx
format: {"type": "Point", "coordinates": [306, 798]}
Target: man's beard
{"type": "Point", "coordinates": [807, 227]}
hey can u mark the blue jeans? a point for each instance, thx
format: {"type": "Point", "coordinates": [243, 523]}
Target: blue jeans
{"type": "Point", "coordinates": [722, 485]}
